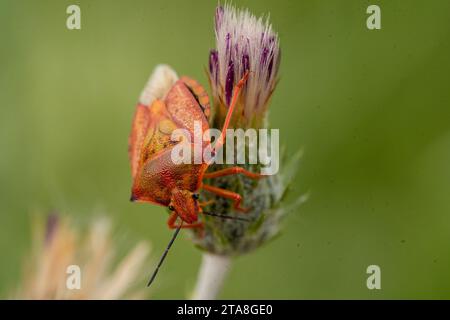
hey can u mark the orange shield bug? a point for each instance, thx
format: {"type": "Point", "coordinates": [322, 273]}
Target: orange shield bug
{"type": "Point", "coordinates": [156, 178]}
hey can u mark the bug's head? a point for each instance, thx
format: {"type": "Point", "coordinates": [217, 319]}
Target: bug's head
{"type": "Point", "coordinates": [185, 204]}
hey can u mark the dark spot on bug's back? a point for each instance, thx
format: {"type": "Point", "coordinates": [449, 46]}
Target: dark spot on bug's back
{"type": "Point", "coordinates": [196, 98]}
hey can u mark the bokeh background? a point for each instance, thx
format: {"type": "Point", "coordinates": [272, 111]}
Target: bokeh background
{"type": "Point", "coordinates": [370, 108]}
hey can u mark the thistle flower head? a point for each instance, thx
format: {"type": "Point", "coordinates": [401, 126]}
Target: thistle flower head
{"type": "Point", "coordinates": [244, 43]}
{"type": "Point", "coordinates": [61, 244]}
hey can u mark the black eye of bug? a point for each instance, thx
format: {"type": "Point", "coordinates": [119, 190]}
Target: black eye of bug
{"type": "Point", "coordinates": [171, 207]}
{"type": "Point", "coordinates": [195, 196]}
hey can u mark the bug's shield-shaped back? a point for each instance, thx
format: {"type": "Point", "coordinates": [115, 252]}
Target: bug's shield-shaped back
{"type": "Point", "coordinates": [158, 85]}
{"type": "Point", "coordinates": [151, 135]}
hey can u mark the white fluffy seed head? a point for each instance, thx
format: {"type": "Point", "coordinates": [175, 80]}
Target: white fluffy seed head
{"type": "Point", "coordinates": [159, 83]}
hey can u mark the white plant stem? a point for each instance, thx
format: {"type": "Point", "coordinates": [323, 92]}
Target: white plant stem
{"type": "Point", "coordinates": [212, 273]}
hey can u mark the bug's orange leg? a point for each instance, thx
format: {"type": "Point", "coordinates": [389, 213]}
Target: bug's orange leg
{"type": "Point", "coordinates": [173, 218]}
{"type": "Point", "coordinates": [237, 198]}
{"type": "Point", "coordinates": [237, 90]}
{"type": "Point", "coordinates": [231, 171]}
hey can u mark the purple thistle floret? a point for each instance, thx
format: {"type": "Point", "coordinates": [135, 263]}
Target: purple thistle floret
{"type": "Point", "coordinates": [229, 83]}
{"type": "Point", "coordinates": [245, 63]}
{"type": "Point", "coordinates": [213, 65]}
{"type": "Point", "coordinates": [218, 17]}
{"type": "Point", "coordinates": [213, 60]}
{"type": "Point", "coordinates": [244, 42]}
{"type": "Point", "coordinates": [228, 45]}
{"type": "Point", "coordinates": [264, 55]}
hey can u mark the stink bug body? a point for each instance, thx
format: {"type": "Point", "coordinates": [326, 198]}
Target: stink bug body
{"type": "Point", "coordinates": [156, 178]}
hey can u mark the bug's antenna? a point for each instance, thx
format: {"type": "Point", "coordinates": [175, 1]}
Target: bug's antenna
{"type": "Point", "coordinates": [225, 217]}
{"type": "Point", "coordinates": [164, 255]}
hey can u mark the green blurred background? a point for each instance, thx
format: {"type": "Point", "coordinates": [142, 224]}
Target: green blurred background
{"type": "Point", "coordinates": [370, 109]}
